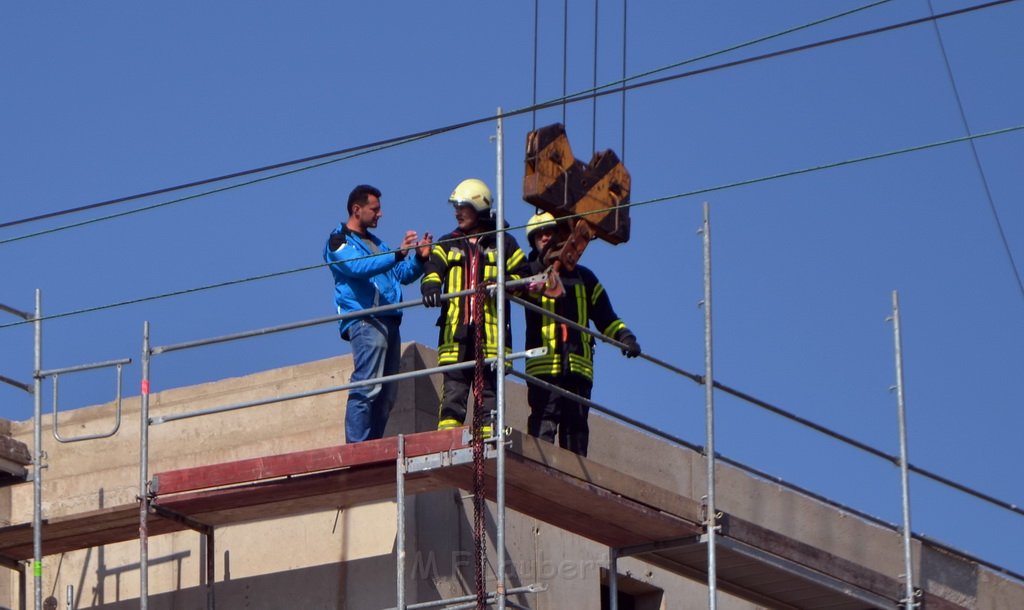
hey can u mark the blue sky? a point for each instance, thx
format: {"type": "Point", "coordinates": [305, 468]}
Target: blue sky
{"type": "Point", "coordinates": [103, 100]}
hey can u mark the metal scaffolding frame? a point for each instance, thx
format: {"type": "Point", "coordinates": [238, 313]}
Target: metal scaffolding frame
{"type": "Point", "coordinates": [146, 493]}
{"type": "Point", "coordinates": [404, 466]}
{"type": "Point", "coordinates": [38, 455]}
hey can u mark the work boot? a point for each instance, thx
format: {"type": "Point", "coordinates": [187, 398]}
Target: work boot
{"type": "Point", "coordinates": [448, 424]}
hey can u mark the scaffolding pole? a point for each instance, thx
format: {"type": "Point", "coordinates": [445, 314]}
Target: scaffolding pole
{"type": "Point", "coordinates": [613, 578]}
{"type": "Point", "coordinates": [901, 414]}
{"type": "Point", "coordinates": [709, 397]}
{"type": "Point", "coordinates": [499, 543]}
{"type": "Point", "coordinates": [37, 456]}
{"type": "Point", "coordinates": [144, 473]}
{"type": "Point", "coordinates": [400, 533]}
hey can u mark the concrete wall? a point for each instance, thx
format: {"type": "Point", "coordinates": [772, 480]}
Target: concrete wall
{"type": "Point", "coordinates": [345, 559]}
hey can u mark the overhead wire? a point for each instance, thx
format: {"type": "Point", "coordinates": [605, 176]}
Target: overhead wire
{"type": "Point", "coordinates": [977, 159]}
{"type": "Point", "coordinates": [783, 52]}
{"type": "Point", "coordinates": [360, 151]}
{"type": "Point", "coordinates": [656, 200]}
{"type": "Point", "coordinates": [728, 49]}
{"type": "Point", "coordinates": [583, 95]}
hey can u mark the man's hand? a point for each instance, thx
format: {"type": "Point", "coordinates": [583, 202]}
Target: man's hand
{"type": "Point", "coordinates": [431, 295]}
{"type": "Point", "coordinates": [408, 242]}
{"type": "Point", "coordinates": [632, 348]}
{"type": "Point", "coordinates": [424, 245]}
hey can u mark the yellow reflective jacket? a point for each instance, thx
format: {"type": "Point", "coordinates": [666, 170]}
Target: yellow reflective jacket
{"type": "Point", "coordinates": [456, 263]}
{"type": "Point", "coordinates": [570, 352]}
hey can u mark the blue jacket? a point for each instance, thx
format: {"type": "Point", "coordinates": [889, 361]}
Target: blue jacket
{"type": "Point", "coordinates": [362, 280]}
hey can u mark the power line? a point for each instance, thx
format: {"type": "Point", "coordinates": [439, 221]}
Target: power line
{"type": "Point", "coordinates": [700, 191]}
{"type": "Point", "coordinates": [725, 50]}
{"type": "Point", "coordinates": [210, 192]}
{"type": "Point", "coordinates": [573, 98]}
{"type": "Point", "coordinates": [783, 52]}
{"type": "Point", "coordinates": [977, 159]}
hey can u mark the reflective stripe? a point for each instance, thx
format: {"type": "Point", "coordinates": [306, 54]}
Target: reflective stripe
{"type": "Point", "coordinates": [614, 328]}
{"type": "Point", "coordinates": [598, 289]}
{"type": "Point", "coordinates": [514, 260]}
{"type": "Point", "coordinates": [448, 424]}
{"type": "Point", "coordinates": [581, 319]}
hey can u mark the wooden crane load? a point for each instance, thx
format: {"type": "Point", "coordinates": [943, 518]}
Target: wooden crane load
{"type": "Point", "coordinates": [595, 194]}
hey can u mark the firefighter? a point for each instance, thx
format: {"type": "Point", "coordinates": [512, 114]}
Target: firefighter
{"type": "Point", "coordinates": [462, 260]}
{"type": "Point", "coordinates": [569, 363]}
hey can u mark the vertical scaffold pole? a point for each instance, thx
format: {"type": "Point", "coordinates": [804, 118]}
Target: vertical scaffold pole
{"type": "Point", "coordinates": [613, 578]}
{"type": "Point", "coordinates": [37, 458]}
{"type": "Point", "coordinates": [499, 543]}
{"type": "Point", "coordinates": [400, 532]}
{"type": "Point", "coordinates": [144, 473]}
{"type": "Point", "coordinates": [211, 567]}
{"type": "Point", "coordinates": [904, 476]}
{"type": "Point", "coordinates": [709, 397]}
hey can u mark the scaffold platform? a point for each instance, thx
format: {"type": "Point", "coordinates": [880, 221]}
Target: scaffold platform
{"type": "Point", "coordinates": [544, 482]}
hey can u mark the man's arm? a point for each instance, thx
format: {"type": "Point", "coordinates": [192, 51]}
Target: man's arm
{"type": "Point", "coordinates": [410, 269]}
{"type": "Point", "coordinates": [352, 261]}
{"type": "Point", "coordinates": [604, 317]}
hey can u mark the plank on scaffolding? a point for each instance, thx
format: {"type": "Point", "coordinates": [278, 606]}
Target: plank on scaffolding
{"type": "Point", "coordinates": [304, 462]}
{"type": "Point", "coordinates": [295, 495]}
{"type": "Point", "coordinates": [574, 466]}
{"type": "Point", "coordinates": [82, 530]}
{"type": "Point", "coordinates": [560, 488]}
{"type": "Point", "coordinates": [599, 502]}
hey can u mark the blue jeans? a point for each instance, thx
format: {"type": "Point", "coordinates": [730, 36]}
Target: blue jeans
{"type": "Point", "coordinates": [376, 352]}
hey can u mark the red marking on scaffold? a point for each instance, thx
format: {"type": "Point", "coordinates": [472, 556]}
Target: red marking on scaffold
{"type": "Point", "coordinates": [145, 387]}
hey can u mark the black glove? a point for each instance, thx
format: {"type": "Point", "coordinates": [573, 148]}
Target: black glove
{"type": "Point", "coordinates": [431, 295]}
{"type": "Point", "coordinates": [632, 348]}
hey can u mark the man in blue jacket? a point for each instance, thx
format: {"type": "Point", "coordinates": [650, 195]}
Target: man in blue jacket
{"type": "Point", "coordinates": [368, 274]}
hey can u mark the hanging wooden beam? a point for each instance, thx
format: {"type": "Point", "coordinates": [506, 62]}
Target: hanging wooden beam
{"type": "Point", "coordinates": [556, 182]}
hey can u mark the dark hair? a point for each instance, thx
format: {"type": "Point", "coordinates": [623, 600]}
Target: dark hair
{"type": "Point", "coordinates": [360, 195]}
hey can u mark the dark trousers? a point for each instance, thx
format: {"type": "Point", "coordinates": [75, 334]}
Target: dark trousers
{"type": "Point", "coordinates": [455, 392]}
{"type": "Point", "coordinates": [552, 413]}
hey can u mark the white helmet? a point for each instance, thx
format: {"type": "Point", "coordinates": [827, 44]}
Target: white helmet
{"type": "Point", "coordinates": [539, 222]}
{"type": "Point", "coordinates": [472, 192]}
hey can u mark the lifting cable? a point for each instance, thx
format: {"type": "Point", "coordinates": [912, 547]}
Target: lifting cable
{"type": "Point", "coordinates": [622, 149]}
{"type": "Point", "coordinates": [533, 109]}
{"type": "Point", "coordinates": [536, 24]}
{"type": "Point", "coordinates": [656, 200]}
{"type": "Point", "coordinates": [565, 56]}
{"type": "Point", "coordinates": [593, 106]}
